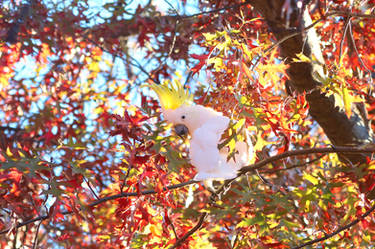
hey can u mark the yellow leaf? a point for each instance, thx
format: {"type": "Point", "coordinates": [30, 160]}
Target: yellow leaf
{"type": "Point", "coordinates": [79, 147]}
{"type": "Point", "coordinates": [307, 206]}
{"type": "Point", "coordinates": [21, 154]}
{"type": "Point", "coordinates": [239, 124]}
{"type": "Point", "coordinates": [342, 58]}
{"type": "Point", "coordinates": [98, 110]}
{"type": "Point", "coordinates": [179, 75]}
{"type": "Point", "coordinates": [94, 67]}
{"type": "Point", "coordinates": [232, 145]}
{"type": "Point", "coordinates": [218, 63]}
{"type": "Point", "coordinates": [246, 70]}
{"type": "Point", "coordinates": [246, 50]}
{"type": "Point", "coordinates": [371, 166]}
{"type": "Point", "coordinates": [104, 237]}
{"type": "Point", "coordinates": [301, 58]}
{"type": "Point", "coordinates": [260, 142]}
{"type": "Point", "coordinates": [155, 230]}
{"type": "Point", "coordinates": [311, 179]}
{"type": "Point", "coordinates": [8, 152]}
{"type": "Point", "coordinates": [209, 36]}
{"type": "Point", "coordinates": [347, 102]}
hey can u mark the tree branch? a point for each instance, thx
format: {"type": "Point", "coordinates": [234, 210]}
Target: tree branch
{"type": "Point", "coordinates": [338, 230]}
{"type": "Point", "coordinates": [341, 149]}
{"type": "Point", "coordinates": [350, 14]}
{"type": "Point", "coordinates": [191, 231]}
{"type": "Point", "coordinates": [272, 171]}
{"type": "Point", "coordinates": [244, 170]}
{"type": "Point", "coordinates": [260, 164]}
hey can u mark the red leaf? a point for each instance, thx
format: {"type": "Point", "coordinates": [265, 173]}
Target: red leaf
{"type": "Point", "coordinates": [141, 159]}
{"type": "Point", "coordinates": [202, 61]}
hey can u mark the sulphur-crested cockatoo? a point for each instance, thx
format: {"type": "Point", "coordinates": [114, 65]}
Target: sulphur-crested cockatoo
{"type": "Point", "coordinates": [206, 128]}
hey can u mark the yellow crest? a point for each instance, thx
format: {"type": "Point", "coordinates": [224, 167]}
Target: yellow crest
{"type": "Point", "coordinates": [172, 95]}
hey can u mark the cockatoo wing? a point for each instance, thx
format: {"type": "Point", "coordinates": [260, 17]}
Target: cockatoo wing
{"type": "Point", "coordinates": [204, 152]}
{"type": "Point", "coordinates": [244, 152]}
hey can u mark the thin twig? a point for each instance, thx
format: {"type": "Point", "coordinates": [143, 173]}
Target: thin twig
{"type": "Point", "coordinates": [174, 39]}
{"type": "Point", "coordinates": [346, 25]}
{"type": "Point", "coordinates": [338, 230]}
{"type": "Point", "coordinates": [132, 60]}
{"type": "Point", "coordinates": [214, 11]}
{"type": "Point", "coordinates": [357, 15]}
{"type": "Point", "coordinates": [174, 230]}
{"type": "Point", "coordinates": [35, 243]}
{"type": "Point", "coordinates": [357, 53]}
{"type": "Point", "coordinates": [191, 231]}
{"type": "Point", "coordinates": [91, 189]}
{"type": "Point", "coordinates": [138, 65]}
{"type": "Point", "coordinates": [125, 178]}
{"type": "Point", "coordinates": [272, 171]}
{"type": "Point", "coordinates": [10, 128]}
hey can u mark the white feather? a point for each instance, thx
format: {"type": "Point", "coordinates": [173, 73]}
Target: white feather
{"type": "Point", "coordinates": [206, 157]}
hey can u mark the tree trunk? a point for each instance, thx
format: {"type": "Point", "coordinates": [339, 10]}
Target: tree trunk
{"type": "Point", "coordinates": [339, 128]}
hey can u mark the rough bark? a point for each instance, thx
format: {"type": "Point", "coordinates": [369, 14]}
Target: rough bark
{"type": "Point", "coordinates": [339, 128]}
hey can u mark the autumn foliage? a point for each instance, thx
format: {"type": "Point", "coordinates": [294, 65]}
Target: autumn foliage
{"type": "Point", "coordinates": [87, 161]}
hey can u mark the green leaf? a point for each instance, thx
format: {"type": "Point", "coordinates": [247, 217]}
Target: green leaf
{"type": "Point", "coordinates": [175, 160]}
{"type": "Point", "coordinates": [25, 165]}
{"type": "Point", "coordinates": [289, 224]}
{"type": "Point", "coordinates": [258, 219]}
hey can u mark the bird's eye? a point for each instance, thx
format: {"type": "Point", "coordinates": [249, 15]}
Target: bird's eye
{"type": "Point", "coordinates": [183, 116]}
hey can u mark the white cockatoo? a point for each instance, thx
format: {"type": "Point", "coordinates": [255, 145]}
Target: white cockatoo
{"type": "Point", "coordinates": [206, 127]}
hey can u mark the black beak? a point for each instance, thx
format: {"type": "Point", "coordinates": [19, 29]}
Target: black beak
{"type": "Point", "coordinates": [181, 130]}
